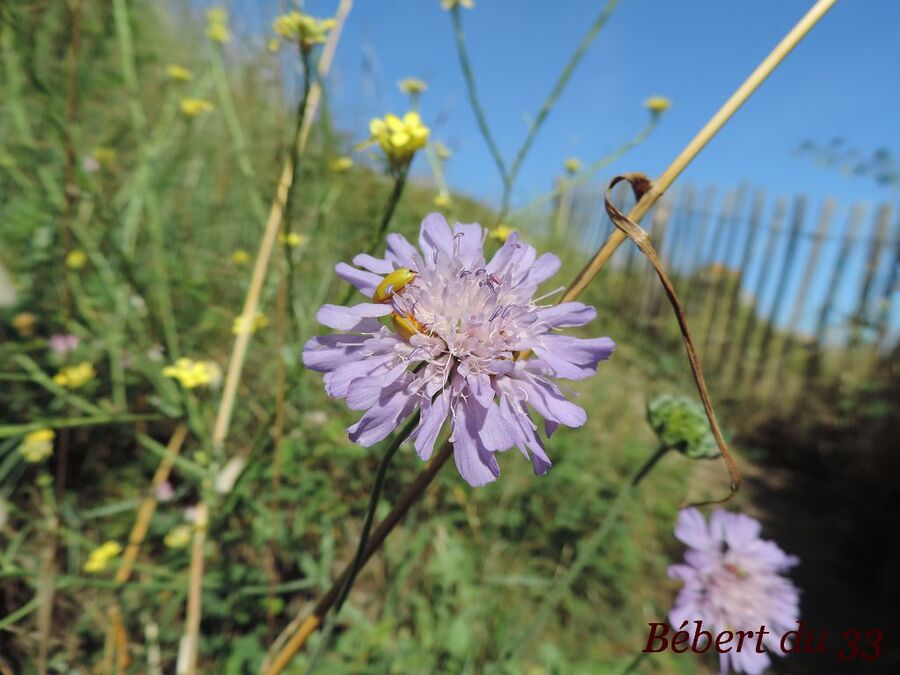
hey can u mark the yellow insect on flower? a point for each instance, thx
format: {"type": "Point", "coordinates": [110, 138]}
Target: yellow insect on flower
{"type": "Point", "coordinates": [240, 257]}
{"type": "Point", "coordinates": [303, 29]}
{"type": "Point", "coordinates": [191, 374]}
{"type": "Point", "coordinates": [101, 556]}
{"type": "Point", "coordinates": [340, 164]}
{"type": "Point", "coordinates": [412, 86]}
{"type": "Point", "coordinates": [572, 165]}
{"type": "Point", "coordinates": [73, 377]}
{"type": "Point", "coordinates": [76, 259]}
{"type": "Point", "coordinates": [192, 107]}
{"type": "Point", "coordinates": [393, 283]}
{"type": "Point", "coordinates": [657, 104]}
{"type": "Point", "coordinates": [241, 325]}
{"type": "Point", "coordinates": [37, 445]}
{"type": "Point", "coordinates": [179, 73]}
{"type": "Point", "coordinates": [501, 233]}
{"type": "Point", "coordinates": [292, 239]}
{"type": "Point", "coordinates": [217, 25]}
{"type": "Point", "coordinates": [399, 138]}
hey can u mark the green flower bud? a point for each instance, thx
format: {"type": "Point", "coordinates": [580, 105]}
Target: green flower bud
{"type": "Point", "coordinates": [681, 424]}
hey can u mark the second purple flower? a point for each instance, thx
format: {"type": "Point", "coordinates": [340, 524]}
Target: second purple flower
{"type": "Point", "coordinates": [458, 325]}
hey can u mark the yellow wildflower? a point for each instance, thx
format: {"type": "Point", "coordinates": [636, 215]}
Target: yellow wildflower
{"type": "Point", "coordinates": [240, 257]}
{"type": "Point", "coordinates": [73, 377]}
{"type": "Point", "coordinates": [100, 557]}
{"type": "Point", "coordinates": [191, 107]}
{"type": "Point", "coordinates": [412, 86]}
{"type": "Point", "coordinates": [178, 537]}
{"type": "Point", "coordinates": [450, 4]}
{"type": "Point", "coordinates": [573, 165]}
{"type": "Point", "coordinates": [657, 104]}
{"type": "Point", "coordinates": [105, 156]}
{"type": "Point", "coordinates": [179, 73]}
{"type": "Point", "coordinates": [217, 25]}
{"type": "Point", "coordinates": [241, 325]}
{"type": "Point", "coordinates": [399, 138]}
{"type": "Point", "coordinates": [292, 239]}
{"type": "Point", "coordinates": [340, 164]}
{"type": "Point", "coordinates": [442, 151]}
{"type": "Point", "coordinates": [274, 45]}
{"type": "Point", "coordinates": [442, 199]}
{"type": "Point", "coordinates": [191, 374]}
{"type": "Point", "coordinates": [37, 445]}
{"type": "Point", "coordinates": [501, 233]}
{"type": "Point", "coordinates": [76, 259]}
{"type": "Point", "coordinates": [24, 323]}
{"type": "Point", "coordinates": [306, 30]}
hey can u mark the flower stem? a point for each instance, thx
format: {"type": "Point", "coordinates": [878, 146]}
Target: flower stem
{"type": "Point", "coordinates": [389, 209]}
{"type": "Point", "coordinates": [555, 93]}
{"type": "Point", "coordinates": [359, 559]}
{"type": "Point", "coordinates": [473, 95]}
{"type": "Point", "coordinates": [369, 541]}
{"type": "Point", "coordinates": [587, 553]}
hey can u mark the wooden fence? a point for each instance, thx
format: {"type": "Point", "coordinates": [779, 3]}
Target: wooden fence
{"type": "Point", "coordinates": [780, 293]}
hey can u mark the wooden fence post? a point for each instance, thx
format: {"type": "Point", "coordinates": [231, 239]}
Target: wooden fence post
{"type": "Point", "coordinates": [720, 285]}
{"type": "Point", "coordinates": [744, 356]}
{"type": "Point", "coordinates": [891, 286]}
{"type": "Point", "coordinates": [860, 319]}
{"type": "Point", "coordinates": [815, 358]}
{"type": "Point", "coordinates": [731, 309]}
{"type": "Point", "coordinates": [802, 291]}
{"type": "Point", "coordinates": [694, 264]}
{"type": "Point", "coordinates": [778, 300]}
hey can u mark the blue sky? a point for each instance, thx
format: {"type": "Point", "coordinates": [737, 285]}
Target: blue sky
{"type": "Point", "coordinates": [840, 81]}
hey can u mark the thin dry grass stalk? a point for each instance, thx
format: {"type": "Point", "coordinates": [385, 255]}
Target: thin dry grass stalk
{"type": "Point", "coordinates": [296, 634]}
{"type": "Point", "coordinates": [148, 506]}
{"type": "Point", "coordinates": [187, 659]}
{"type": "Point", "coordinates": [187, 656]}
{"type": "Point", "coordinates": [273, 225]}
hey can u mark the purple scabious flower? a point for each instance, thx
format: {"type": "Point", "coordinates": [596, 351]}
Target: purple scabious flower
{"type": "Point", "coordinates": [458, 325]}
{"type": "Point", "coordinates": [734, 581]}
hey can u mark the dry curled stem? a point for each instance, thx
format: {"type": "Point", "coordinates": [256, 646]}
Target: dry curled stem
{"type": "Point", "coordinates": [641, 184]}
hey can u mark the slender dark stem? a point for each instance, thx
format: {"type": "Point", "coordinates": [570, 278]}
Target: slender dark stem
{"type": "Point", "coordinates": [587, 553]}
{"type": "Point", "coordinates": [473, 95]}
{"type": "Point", "coordinates": [634, 663]}
{"type": "Point", "coordinates": [555, 93]}
{"type": "Point", "coordinates": [295, 161]}
{"type": "Point", "coordinates": [399, 183]}
{"type": "Point", "coordinates": [360, 557]}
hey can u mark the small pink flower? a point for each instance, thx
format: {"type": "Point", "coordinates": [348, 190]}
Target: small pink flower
{"type": "Point", "coordinates": [62, 345]}
{"type": "Point", "coordinates": [165, 492]}
{"type": "Point", "coordinates": [734, 581]}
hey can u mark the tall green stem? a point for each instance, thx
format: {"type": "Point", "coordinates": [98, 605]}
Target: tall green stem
{"type": "Point", "coordinates": [587, 553]}
{"type": "Point", "coordinates": [359, 557]}
{"type": "Point", "coordinates": [473, 95]}
{"type": "Point", "coordinates": [389, 209]}
{"type": "Point", "coordinates": [555, 93]}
